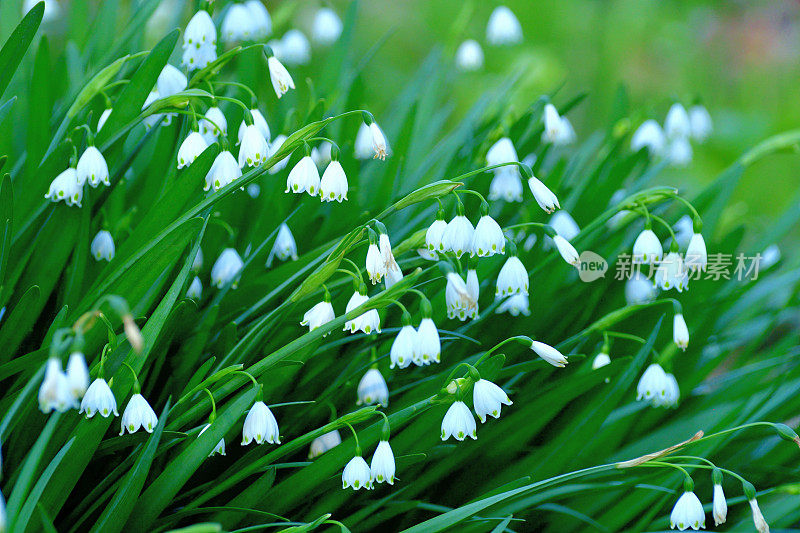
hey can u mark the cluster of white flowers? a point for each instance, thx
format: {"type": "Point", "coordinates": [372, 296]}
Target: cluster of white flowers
{"type": "Point", "coordinates": [358, 474]}
{"type": "Point", "coordinates": [90, 168]}
{"type": "Point", "coordinates": [673, 141]}
{"type": "Point", "coordinates": [502, 29]}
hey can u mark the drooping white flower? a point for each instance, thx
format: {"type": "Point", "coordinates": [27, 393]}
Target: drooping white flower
{"type": "Point", "coordinates": [680, 333]}
{"type": "Point", "coordinates": [200, 31]}
{"type": "Point", "coordinates": [281, 79]}
{"type": "Point", "coordinates": [684, 229]}
{"type": "Point", "coordinates": [223, 170]}
{"type": "Point", "coordinates": [473, 288]}
{"type": "Point", "coordinates": [647, 247]}
{"type": "Point", "coordinates": [429, 346]}
{"type": "Point", "coordinates": [564, 133]}
{"type": "Point", "coordinates": [671, 273]}
{"type": "Point", "coordinates": [304, 177]}
{"type": "Point", "coordinates": [327, 27]}
{"type": "Point", "coordinates": [719, 506]}
{"type": "Point", "coordinates": [557, 130]}
{"type": "Point", "coordinates": [254, 147]}
{"type": "Point", "coordinates": [362, 148]}
{"type": "Point", "coordinates": [639, 289]}
{"type": "Point", "coordinates": [673, 393]}
{"type": "Point", "coordinates": [170, 81]}
{"type": "Point", "coordinates": [194, 58]}
{"type": "Point", "coordinates": [65, 187]}
{"type": "Point", "coordinates": [502, 151]}
{"type": "Point", "coordinates": [259, 121]}
{"type": "Point", "coordinates": [549, 354]}
{"type": "Point", "coordinates": [92, 167]}
{"type": "Point", "coordinates": [372, 389]}
{"type": "Point", "coordinates": [368, 322]}
{"type": "Point", "coordinates": [506, 185]}
{"type": "Point", "coordinates": [405, 348]}
{"type": "Point", "coordinates": [152, 120]}
{"type": "Point", "coordinates": [488, 399]}
{"type": "Point", "coordinates": [758, 518]}
{"type": "Point", "coordinates": [687, 513]}
{"type": "Point", "coordinates": [103, 118]}
{"type": "Point", "coordinates": [323, 443]}
{"type": "Point", "coordinates": [333, 185]}
{"type": "Point", "coordinates": [322, 154]}
{"type": "Point", "coordinates": [679, 152]}
{"type": "Point", "coordinates": [260, 426]}
{"type": "Point", "coordinates": [515, 305]}
{"type": "Point", "coordinates": [458, 422]}
{"type": "Point", "coordinates": [77, 374]}
{"type": "Point", "coordinates": [382, 467]}
{"type": "Point", "coordinates": [567, 251]}
{"type": "Point", "coordinates": [357, 474]}
{"type": "Point", "coordinates": [214, 124]}
{"type": "Point", "coordinates": [273, 149]}
{"type": "Point", "coordinates": [563, 223]}
{"type": "Point", "coordinates": [458, 236]}
{"type": "Point", "coordinates": [375, 266]}
{"type": "Point", "coordinates": [654, 386]}
{"type": "Point", "coordinates": [469, 56]}
{"type": "Point", "coordinates": [238, 24]}
{"type": "Point", "coordinates": [226, 268]}
{"type": "Point", "coordinates": [488, 238]}
{"type": "Point", "coordinates": [434, 237]}
{"type": "Point", "coordinates": [393, 275]}
{"type": "Point", "coordinates": [543, 196]}
{"type": "Point", "coordinates": [386, 251]}
{"type": "Point", "coordinates": [677, 122]}
{"type": "Point", "coordinates": [219, 448]}
{"type": "Point", "coordinates": [294, 48]}
{"type": "Point", "coordinates": [195, 290]}
{"type": "Point", "coordinates": [649, 135]}
{"type": "Point", "coordinates": [55, 391]}
{"type": "Point", "coordinates": [513, 278]}
{"type": "Point", "coordinates": [319, 315]}
{"type": "Point", "coordinates": [378, 141]}
{"type": "Point", "coordinates": [600, 360]}
{"type": "Point", "coordinates": [285, 246]}
{"type": "Point", "coordinates": [503, 27]}
{"type": "Point", "coordinates": [700, 123]}
{"type": "Point", "coordinates": [99, 399]}
{"type": "Point", "coordinates": [259, 18]}
{"type": "Point", "coordinates": [138, 414]}
{"type": "Point", "coordinates": [103, 246]}
{"type": "Point", "coordinates": [190, 149]}
{"type": "Point", "coordinates": [458, 299]}
{"type": "Point", "coordinates": [696, 254]}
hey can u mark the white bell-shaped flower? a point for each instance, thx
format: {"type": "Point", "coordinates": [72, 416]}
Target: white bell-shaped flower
{"type": "Point", "coordinates": [226, 268]}
{"type": "Point", "coordinates": [564, 133]}
{"type": "Point", "coordinates": [382, 467]}
{"type": "Point", "coordinates": [557, 130]}
{"type": "Point", "coordinates": [473, 288]}
{"type": "Point", "coordinates": [281, 79]}
{"type": "Point", "coordinates": [103, 118]}
{"type": "Point", "coordinates": [458, 236]}
{"type": "Point", "coordinates": [679, 152]}
{"type": "Point", "coordinates": [285, 246]}
{"type": "Point", "coordinates": [506, 185]}
{"type": "Point", "coordinates": [458, 422]}
{"type": "Point", "coordinates": [357, 474]}
{"type": "Point", "coordinates": [322, 154]}
{"type": "Point", "coordinates": [649, 135]}
{"type": "Point", "coordinates": [677, 122]}
{"type": "Point", "coordinates": [254, 147]}
{"type": "Point", "coordinates": [673, 393]}
{"type": "Point", "coordinates": [260, 19]}
{"type": "Point", "coordinates": [696, 254]}
{"type": "Point", "coordinates": [259, 121]}
{"type": "Point", "coordinates": [385, 247]}
{"type": "Point", "coordinates": [55, 391]}
{"type": "Point", "coordinates": [700, 123]}
{"type": "Point", "coordinates": [434, 237]}
{"type": "Point", "coordinates": [549, 354]}
{"type": "Point", "coordinates": [372, 389]}
{"type": "Point", "coordinates": [502, 151]}
{"type": "Point", "coordinates": [563, 223]}
{"type": "Point", "coordinates": [195, 290]}
{"type": "Point", "coordinates": [333, 185]}
{"type": "Point", "coordinates": [671, 273]}
{"type": "Point", "coordinates": [369, 322]}
{"type": "Point", "coordinates": [488, 238]}
{"type": "Point", "coordinates": [513, 278]}
{"type": "Point", "coordinates": [273, 149]}
{"type": "Point", "coordinates": [219, 448]}
{"type": "Point", "coordinates": [458, 299]}
{"type": "Point", "coordinates": [639, 289]}
{"type": "Point", "coordinates": [224, 170]}
{"type": "Point", "coordinates": [393, 275]}
{"type": "Point", "coordinates": [647, 247]}
{"type": "Point", "coordinates": [323, 443]}
{"type": "Point", "coordinates": [680, 332]}
{"type": "Point", "coordinates": [238, 24]}
{"type": "Point", "coordinates": [200, 31]}
{"type": "Point", "coordinates": [363, 144]}
{"type": "Point", "coordinates": [543, 196]}
{"type": "Point", "coordinates": [655, 386]}
{"type": "Point", "coordinates": [77, 374]}
{"type": "Point", "coordinates": [469, 56]}
{"type": "Point", "coordinates": [92, 167]}
{"type": "Point", "coordinates": [213, 125]}
{"type": "Point", "coordinates": [170, 81]}
{"type": "Point", "coordinates": [260, 426]}
{"type": "Point", "coordinates": [758, 517]}
{"type": "Point", "coordinates": [515, 305]}
{"type": "Point", "coordinates": [103, 246]}
{"type": "Point", "coordinates": [503, 27]}
{"type": "Point", "coordinates": [405, 348]}
{"type": "Point", "coordinates": [488, 399]}
{"type": "Point", "coordinates": [567, 251]}
{"type": "Point", "coordinates": [65, 188]}
{"type": "Point", "coordinates": [138, 414]}
{"type": "Point", "coordinates": [684, 229]}
{"type": "Point", "coordinates": [600, 360]}
{"type": "Point", "coordinates": [304, 177]}
{"type": "Point", "coordinates": [99, 399]}
{"type": "Point", "coordinates": [429, 346]}
{"type": "Point", "coordinates": [194, 58]}
{"type": "Point", "coordinates": [327, 27]}
{"type": "Point", "coordinates": [319, 315]}
{"type": "Point", "coordinates": [190, 149]}
{"type": "Point", "coordinates": [378, 141]}
{"type": "Point", "coordinates": [375, 266]}
{"type": "Point", "coordinates": [719, 506]}
{"type": "Point", "coordinates": [294, 48]}
{"type": "Point", "coordinates": [688, 513]}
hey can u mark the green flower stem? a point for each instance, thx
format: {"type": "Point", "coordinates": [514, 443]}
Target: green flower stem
{"type": "Point", "coordinates": [213, 415]}
{"type": "Point", "coordinates": [355, 436]}
{"type": "Point", "coordinates": [242, 86]}
{"type": "Point", "coordinates": [769, 146]}
{"type": "Point", "coordinates": [521, 338]}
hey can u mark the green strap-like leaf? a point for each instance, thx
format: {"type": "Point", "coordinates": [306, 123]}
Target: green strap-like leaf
{"type": "Point", "coordinates": [17, 44]}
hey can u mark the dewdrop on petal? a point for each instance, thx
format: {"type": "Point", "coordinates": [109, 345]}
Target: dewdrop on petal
{"type": "Point", "coordinates": [214, 124]}
{"type": "Point", "coordinates": [543, 196]}
{"type": "Point", "coordinates": [700, 123]}
{"type": "Point", "coordinates": [138, 414]}
{"type": "Point", "coordinates": [304, 177]}
{"type": "Point", "coordinates": [469, 56]}
{"type": "Point", "coordinates": [92, 167]}
{"type": "Point", "coordinates": [226, 268]}
{"type": "Point", "coordinates": [488, 399]}
{"type": "Point", "coordinates": [357, 474]}
{"type": "Point", "coordinates": [458, 236]}
{"type": "Point", "coordinates": [696, 254]}
{"type": "Point", "coordinates": [319, 315]}
{"type": "Point", "coordinates": [55, 392]}
{"type": "Point", "coordinates": [259, 18]}
{"type": "Point", "coordinates": [677, 122]}
{"type": "Point", "coordinates": [103, 246]}
{"type": "Point", "coordinates": [77, 374]}
{"type": "Point", "coordinates": [382, 467]}
{"type": "Point", "coordinates": [680, 333]}
{"type": "Point", "coordinates": [190, 149]}
{"type": "Point", "coordinates": [219, 448]}
{"type": "Point", "coordinates": [647, 247]}
{"type": "Point", "coordinates": [259, 121]}
{"type": "Point", "coordinates": [223, 171]}
{"type": "Point", "coordinates": [488, 238]}
{"type": "Point", "coordinates": [281, 79]}
{"type": "Point", "coordinates": [459, 423]}
{"type": "Point", "coordinates": [687, 513]}
{"type": "Point", "coordinates": [99, 399]}
{"type": "Point", "coordinates": [513, 278]}
{"type": "Point", "coordinates": [503, 27]}
{"type": "Point", "coordinates": [567, 251]}
{"type": "Point", "coordinates": [65, 187]}
{"type": "Point", "coordinates": [171, 81]}
{"type": "Point", "coordinates": [323, 443]}
{"type": "Point", "coordinates": [260, 425]}
{"type": "Point", "coordinates": [327, 27]}
{"type": "Point", "coordinates": [238, 24]}
{"type": "Point", "coordinates": [372, 389]}
{"type": "Point", "coordinates": [405, 348]}
{"type": "Point", "coordinates": [649, 135]}
{"type": "Point", "coordinates": [549, 354]}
